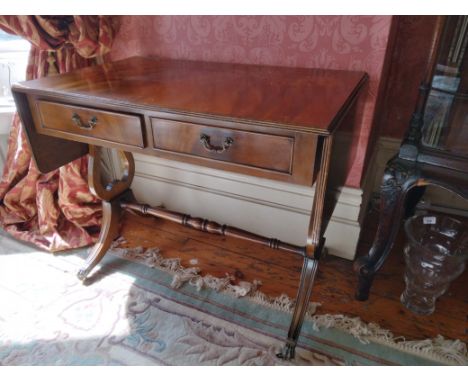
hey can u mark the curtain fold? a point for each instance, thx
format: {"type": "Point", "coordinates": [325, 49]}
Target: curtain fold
{"type": "Point", "coordinates": [54, 211]}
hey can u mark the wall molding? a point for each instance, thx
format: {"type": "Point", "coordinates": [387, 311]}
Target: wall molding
{"type": "Point", "coordinates": [267, 207]}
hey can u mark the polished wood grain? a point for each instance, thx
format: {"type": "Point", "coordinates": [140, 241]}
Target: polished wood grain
{"type": "Point", "coordinates": [334, 285]}
{"type": "Point", "coordinates": [78, 122]}
{"type": "Point", "coordinates": [313, 251]}
{"type": "Point", "coordinates": [48, 153]}
{"type": "Point", "coordinates": [111, 212]}
{"type": "Point", "coordinates": [302, 155]}
{"type": "Point", "coordinates": [112, 195]}
{"type": "Point", "coordinates": [212, 227]}
{"type": "Point", "coordinates": [271, 122]}
{"type": "Point", "coordinates": [305, 99]}
{"type": "Point", "coordinates": [113, 189]}
{"type": "Point", "coordinates": [271, 152]}
{"type": "Point", "coordinates": [286, 108]}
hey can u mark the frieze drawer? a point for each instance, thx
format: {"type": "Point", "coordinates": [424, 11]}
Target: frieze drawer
{"type": "Point", "coordinates": [259, 150]}
{"type": "Point", "coordinates": [91, 123]}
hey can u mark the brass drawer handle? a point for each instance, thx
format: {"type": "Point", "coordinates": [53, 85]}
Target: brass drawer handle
{"type": "Point", "coordinates": [77, 121]}
{"type": "Point", "coordinates": [205, 140]}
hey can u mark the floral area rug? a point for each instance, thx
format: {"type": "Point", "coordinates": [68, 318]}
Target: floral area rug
{"type": "Point", "coordinates": [131, 314]}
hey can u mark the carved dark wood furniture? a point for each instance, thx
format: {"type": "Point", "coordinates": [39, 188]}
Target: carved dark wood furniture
{"type": "Point", "coordinates": [269, 122]}
{"type": "Point", "coordinates": [435, 150]}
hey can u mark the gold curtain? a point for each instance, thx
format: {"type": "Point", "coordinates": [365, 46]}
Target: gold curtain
{"type": "Point", "coordinates": [54, 211]}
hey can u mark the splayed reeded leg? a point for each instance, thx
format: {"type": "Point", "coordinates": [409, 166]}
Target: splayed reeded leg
{"type": "Point", "coordinates": [111, 212]}
{"type": "Point", "coordinates": [309, 269]}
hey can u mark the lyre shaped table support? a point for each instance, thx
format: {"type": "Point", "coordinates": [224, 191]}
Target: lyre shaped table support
{"type": "Point", "coordinates": [118, 196]}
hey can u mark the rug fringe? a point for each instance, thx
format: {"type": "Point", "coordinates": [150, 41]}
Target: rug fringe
{"type": "Point", "coordinates": [439, 348]}
{"type": "Point", "coordinates": [453, 351]}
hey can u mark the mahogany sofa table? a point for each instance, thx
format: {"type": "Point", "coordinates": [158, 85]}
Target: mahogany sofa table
{"type": "Point", "coordinates": [269, 122]}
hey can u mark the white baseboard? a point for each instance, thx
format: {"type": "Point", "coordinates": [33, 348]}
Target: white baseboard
{"type": "Point", "coordinates": [266, 207]}
{"type": "Point", "coordinates": [270, 208]}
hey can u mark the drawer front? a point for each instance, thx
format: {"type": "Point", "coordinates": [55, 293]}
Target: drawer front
{"type": "Point", "coordinates": [253, 149]}
{"type": "Point", "coordinates": [91, 123]}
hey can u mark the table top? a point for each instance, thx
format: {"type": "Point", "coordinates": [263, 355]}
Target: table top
{"type": "Point", "coordinates": [308, 99]}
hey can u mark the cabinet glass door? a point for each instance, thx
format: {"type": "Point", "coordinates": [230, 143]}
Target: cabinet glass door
{"type": "Point", "coordinates": [446, 114]}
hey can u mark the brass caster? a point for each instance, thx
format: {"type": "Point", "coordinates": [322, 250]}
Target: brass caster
{"type": "Point", "coordinates": [287, 352]}
{"type": "Point", "coordinates": [82, 274]}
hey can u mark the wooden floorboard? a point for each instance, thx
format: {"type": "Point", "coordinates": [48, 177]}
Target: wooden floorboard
{"type": "Point", "coordinates": [334, 288]}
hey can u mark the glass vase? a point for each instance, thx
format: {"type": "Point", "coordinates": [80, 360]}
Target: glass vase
{"type": "Point", "coordinates": [435, 255]}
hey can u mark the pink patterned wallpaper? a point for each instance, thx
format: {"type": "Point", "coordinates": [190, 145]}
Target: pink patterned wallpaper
{"type": "Point", "coordinates": [335, 42]}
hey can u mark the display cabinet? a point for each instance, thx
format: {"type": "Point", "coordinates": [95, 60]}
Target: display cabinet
{"type": "Point", "coordinates": [435, 149]}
